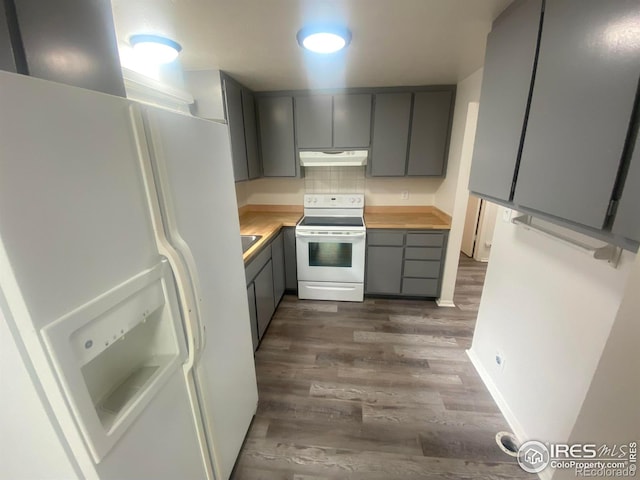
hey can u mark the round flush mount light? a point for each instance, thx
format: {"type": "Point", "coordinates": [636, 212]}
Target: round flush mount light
{"type": "Point", "coordinates": [155, 49]}
{"type": "Point", "coordinates": [324, 39]}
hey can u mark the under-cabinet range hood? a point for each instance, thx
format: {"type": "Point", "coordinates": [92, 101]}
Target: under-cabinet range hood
{"type": "Point", "coordinates": [351, 158]}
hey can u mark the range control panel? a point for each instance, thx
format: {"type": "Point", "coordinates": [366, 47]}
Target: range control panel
{"type": "Point", "coordinates": [350, 200]}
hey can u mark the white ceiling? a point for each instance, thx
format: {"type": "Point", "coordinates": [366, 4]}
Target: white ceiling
{"type": "Point", "coordinates": [395, 42]}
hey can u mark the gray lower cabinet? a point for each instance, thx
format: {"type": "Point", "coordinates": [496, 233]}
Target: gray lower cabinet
{"type": "Point", "coordinates": [384, 270]}
{"type": "Point", "coordinates": [275, 122]}
{"type": "Point", "coordinates": [277, 258]}
{"type": "Point", "coordinates": [235, 121]}
{"type": "Point", "coordinates": [265, 275]}
{"type": "Point", "coordinates": [265, 305]}
{"type": "Point", "coordinates": [314, 121]}
{"type": "Point", "coordinates": [580, 111]}
{"type": "Point", "coordinates": [290, 262]}
{"type": "Point", "coordinates": [405, 263]}
{"type": "Point", "coordinates": [506, 83]}
{"type": "Point", "coordinates": [253, 315]}
{"type": "Point", "coordinates": [392, 113]}
{"type": "Point", "coordinates": [430, 128]}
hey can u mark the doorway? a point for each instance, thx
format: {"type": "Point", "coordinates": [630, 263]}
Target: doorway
{"type": "Point", "coordinates": [479, 225]}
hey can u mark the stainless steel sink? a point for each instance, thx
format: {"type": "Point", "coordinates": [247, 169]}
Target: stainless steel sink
{"type": "Point", "coordinates": [248, 241]}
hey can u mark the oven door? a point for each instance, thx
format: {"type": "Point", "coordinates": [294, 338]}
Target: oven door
{"type": "Point", "coordinates": [330, 257]}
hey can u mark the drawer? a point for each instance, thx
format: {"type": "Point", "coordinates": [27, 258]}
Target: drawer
{"type": "Point", "coordinates": [390, 238]}
{"type": "Point", "coordinates": [422, 287]}
{"type": "Point", "coordinates": [255, 265]}
{"type": "Point", "coordinates": [423, 253]}
{"type": "Point", "coordinates": [425, 239]}
{"type": "Point", "coordinates": [421, 269]}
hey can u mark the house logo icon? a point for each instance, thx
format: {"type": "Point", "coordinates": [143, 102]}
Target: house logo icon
{"type": "Point", "coordinates": [533, 456]}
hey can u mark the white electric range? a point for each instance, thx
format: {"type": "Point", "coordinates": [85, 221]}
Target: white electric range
{"type": "Point", "coordinates": [330, 246]}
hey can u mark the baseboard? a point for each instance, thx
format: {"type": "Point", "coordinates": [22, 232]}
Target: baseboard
{"type": "Point", "coordinates": [445, 303]}
{"type": "Point", "coordinates": [506, 411]}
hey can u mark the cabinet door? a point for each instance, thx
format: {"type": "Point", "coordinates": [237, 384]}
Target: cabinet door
{"type": "Point", "coordinates": [290, 264]}
{"type": "Point", "coordinates": [313, 121]}
{"type": "Point", "coordinates": [7, 61]}
{"type": "Point", "coordinates": [384, 270]}
{"type": "Point", "coordinates": [585, 85]}
{"type": "Point", "coordinates": [506, 83]}
{"type": "Point", "coordinates": [253, 315]}
{"type": "Point", "coordinates": [352, 121]}
{"type": "Point", "coordinates": [429, 133]}
{"type": "Point", "coordinates": [72, 42]}
{"type": "Point", "coordinates": [233, 103]}
{"type": "Point", "coordinates": [390, 134]}
{"type": "Point", "coordinates": [627, 222]}
{"type": "Point", "coordinates": [275, 119]}
{"type": "Point", "coordinates": [277, 259]}
{"type": "Point", "coordinates": [264, 297]}
{"type": "Point", "coordinates": [250, 134]}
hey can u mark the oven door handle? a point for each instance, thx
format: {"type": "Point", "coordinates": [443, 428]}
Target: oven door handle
{"type": "Point", "coordinates": [328, 235]}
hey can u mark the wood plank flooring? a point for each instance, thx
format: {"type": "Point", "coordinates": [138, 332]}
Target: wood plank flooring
{"type": "Point", "coordinates": [380, 390]}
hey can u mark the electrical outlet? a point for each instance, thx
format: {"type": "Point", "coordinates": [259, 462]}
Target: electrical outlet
{"type": "Point", "coordinates": [404, 195]}
{"type": "Point", "coordinates": [500, 360]}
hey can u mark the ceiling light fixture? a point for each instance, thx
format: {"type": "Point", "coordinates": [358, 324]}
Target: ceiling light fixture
{"type": "Point", "coordinates": [324, 39]}
{"type": "Point", "coordinates": [155, 48]}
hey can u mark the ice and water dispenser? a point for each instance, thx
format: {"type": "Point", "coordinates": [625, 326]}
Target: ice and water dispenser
{"type": "Point", "coordinates": [114, 353]}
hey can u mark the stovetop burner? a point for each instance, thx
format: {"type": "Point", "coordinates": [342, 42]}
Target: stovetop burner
{"type": "Point", "coordinates": [311, 221]}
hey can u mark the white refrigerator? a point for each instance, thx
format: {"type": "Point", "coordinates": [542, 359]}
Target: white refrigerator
{"type": "Point", "coordinates": [125, 337]}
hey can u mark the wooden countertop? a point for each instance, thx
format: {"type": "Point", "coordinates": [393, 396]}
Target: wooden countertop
{"type": "Point", "coordinates": [418, 217]}
{"type": "Point", "coordinates": [266, 220]}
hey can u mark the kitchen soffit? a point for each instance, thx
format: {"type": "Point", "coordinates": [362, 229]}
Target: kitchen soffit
{"type": "Point", "coordinates": [401, 42]}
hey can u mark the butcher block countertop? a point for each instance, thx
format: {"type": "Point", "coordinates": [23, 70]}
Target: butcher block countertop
{"type": "Point", "coordinates": [266, 220]}
{"type": "Point", "coordinates": [410, 217]}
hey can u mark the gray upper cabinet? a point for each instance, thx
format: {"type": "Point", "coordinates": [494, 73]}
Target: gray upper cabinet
{"type": "Point", "coordinates": [251, 134]}
{"type": "Point", "coordinates": [583, 95]}
{"type": "Point", "coordinates": [7, 62]}
{"type": "Point", "coordinates": [627, 222]}
{"type": "Point", "coordinates": [313, 121]}
{"type": "Point", "coordinates": [390, 134]}
{"type": "Point", "coordinates": [430, 129]}
{"type": "Point", "coordinates": [506, 84]}
{"type": "Point", "coordinates": [233, 103]}
{"type": "Point", "coordinates": [351, 120]}
{"type": "Point", "coordinates": [275, 120]}
{"type": "Point", "coordinates": [338, 121]}
{"type": "Point", "coordinates": [71, 42]}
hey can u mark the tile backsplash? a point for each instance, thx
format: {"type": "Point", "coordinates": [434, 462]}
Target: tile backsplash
{"type": "Point", "coordinates": [334, 179]}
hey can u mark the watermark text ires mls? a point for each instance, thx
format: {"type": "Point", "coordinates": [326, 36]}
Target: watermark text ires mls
{"type": "Point", "coordinates": [585, 459]}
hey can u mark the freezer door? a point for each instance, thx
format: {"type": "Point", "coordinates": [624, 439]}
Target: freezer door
{"type": "Point", "coordinates": [74, 225]}
{"type": "Point", "coordinates": [191, 161]}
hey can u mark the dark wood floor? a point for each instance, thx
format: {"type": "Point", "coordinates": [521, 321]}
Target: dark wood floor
{"type": "Point", "coordinates": [379, 390]}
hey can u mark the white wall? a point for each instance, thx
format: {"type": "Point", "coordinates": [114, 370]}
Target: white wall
{"type": "Point", "coordinates": [548, 308]}
{"type": "Point", "coordinates": [447, 194]}
{"type": "Point", "coordinates": [452, 196]}
{"type": "Point", "coordinates": [610, 412]}
{"type": "Point", "coordinates": [206, 88]}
